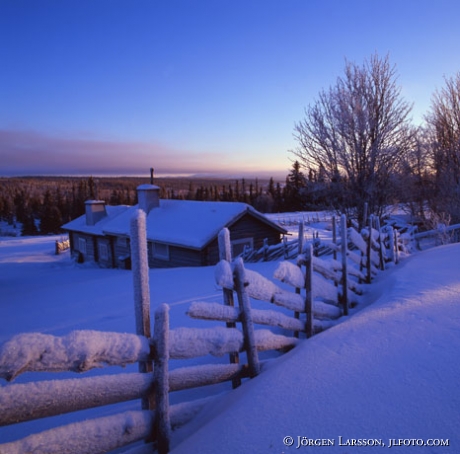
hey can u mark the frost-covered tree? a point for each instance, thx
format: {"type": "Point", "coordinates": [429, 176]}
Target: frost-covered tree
{"type": "Point", "coordinates": [357, 132]}
{"type": "Point", "coordinates": [444, 127]}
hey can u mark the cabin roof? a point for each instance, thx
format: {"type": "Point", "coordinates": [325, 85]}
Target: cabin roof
{"type": "Point", "coordinates": [79, 224]}
{"type": "Point", "coordinates": [187, 223]}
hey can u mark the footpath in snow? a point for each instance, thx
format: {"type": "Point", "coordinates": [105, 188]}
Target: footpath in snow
{"type": "Point", "coordinates": [388, 377]}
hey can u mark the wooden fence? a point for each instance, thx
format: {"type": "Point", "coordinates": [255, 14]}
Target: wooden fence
{"type": "Point", "coordinates": [315, 293]}
{"type": "Point", "coordinates": [61, 246]}
{"type": "Point", "coordinates": [437, 237]}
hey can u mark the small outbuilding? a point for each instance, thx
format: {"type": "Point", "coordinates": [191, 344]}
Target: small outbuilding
{"type": "Point", "coordinates": [179, 232]}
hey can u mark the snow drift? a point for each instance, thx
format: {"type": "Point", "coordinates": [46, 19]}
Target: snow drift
{"type": "Point", "coordinates": [388, 372]}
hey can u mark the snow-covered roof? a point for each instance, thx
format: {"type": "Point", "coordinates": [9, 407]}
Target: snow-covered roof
{"type": "Point", "coordinates": [186, 223]}
{"type": "Point", "coordinates": [79, 224]}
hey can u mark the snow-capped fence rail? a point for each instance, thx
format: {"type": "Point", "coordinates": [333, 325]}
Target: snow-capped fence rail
{"type": "Point", "coordinates": [83, 350]}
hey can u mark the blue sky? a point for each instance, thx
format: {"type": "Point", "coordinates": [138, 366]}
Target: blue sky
{"type": "Point", "coordinates": [211, 87]}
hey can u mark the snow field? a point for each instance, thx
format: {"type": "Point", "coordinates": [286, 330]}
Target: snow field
{"type": "Point", "coordinates": [355, 340]}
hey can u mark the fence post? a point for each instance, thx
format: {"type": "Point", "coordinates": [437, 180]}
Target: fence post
{"type": "Point", "coordinates": [301, 239]}
{"type": "Point", "coordinates": [225, 253]}
{"type": "Point", "coordinates": [391, 243]}
{"type": "Point", "coordinates": [309, 290]}
{"type": "Point", "coordinates": [396, 246]}
{"type": "Point", "coordinates": [265, 249]}
{"type": "Point", "coordinates": [369, 251]}
{"type": "Point", "coordinates": [161, 379]}
{"type": "Point", "coordinates": [343, 233]}
{"type": "Point", "coordinates": [381, 244]}
{"type": "Point", "coordinates": [246, 318]}
{"type": "Point", "coordinates": [140, 270]}
{"type": "Point", "coordinates": [366, 209]}
{"type": "Point", "coordinates": [334, 236]}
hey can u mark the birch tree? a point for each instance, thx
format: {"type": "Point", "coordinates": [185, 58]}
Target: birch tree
{"type": "Point", "coordinates": [357, 132]}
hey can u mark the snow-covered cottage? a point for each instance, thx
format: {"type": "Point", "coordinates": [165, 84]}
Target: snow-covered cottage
{"type": "Point", "coordinates": [179, 232]}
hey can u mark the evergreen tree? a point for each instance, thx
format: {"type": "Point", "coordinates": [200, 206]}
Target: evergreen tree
{"type": "Point", "coordinates": [294, 191]}
{"type": "Point", "coordinates": [91, 188]}
{"type": "Point", "coordinates": [271, 187]}
{"type": "Point", "coordinates": [20, 206]}
{"type": "Point", "coordinates": [29, 227]}
{"type": "Point", "coordinates": [51, 217]}
{"type": "Point", "coordinates": [279, 203]}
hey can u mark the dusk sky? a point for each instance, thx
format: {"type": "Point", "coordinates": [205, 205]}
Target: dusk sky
{"type": "Point", "coordinates": [211, 87]}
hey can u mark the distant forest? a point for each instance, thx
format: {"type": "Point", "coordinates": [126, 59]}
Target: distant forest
{"type": "Point", "coordinates": [41, 205]}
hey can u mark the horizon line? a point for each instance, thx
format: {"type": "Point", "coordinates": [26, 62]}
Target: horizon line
{"type": "Point", "coordinates": [207, 175]}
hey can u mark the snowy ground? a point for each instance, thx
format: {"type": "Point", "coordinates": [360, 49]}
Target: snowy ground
{"type": "Point", "coordinates": [389, 371]}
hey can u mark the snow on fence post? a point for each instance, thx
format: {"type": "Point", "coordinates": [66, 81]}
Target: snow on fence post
{"type": "Point", "coordinates": [225, 253]}
{"type": "Point", "coordinates": [140, 270]}
{"type": "Point", "coordinates": [161, 379]}
{"type": "Point", "coordinates": [309, 290]}
{"type": "Point", "coordinates": [225, 245]}
{"type": "Point", "coordinates": [343, 234]}
{"type": "Point", "coordinates": [246, 318]}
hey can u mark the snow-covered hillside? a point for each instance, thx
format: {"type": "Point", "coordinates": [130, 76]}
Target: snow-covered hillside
{"type": "Point", "coordinates": [388, 372]}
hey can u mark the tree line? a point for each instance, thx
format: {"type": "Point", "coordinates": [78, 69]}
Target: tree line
{"type": "Point", "coordinates": [41, 205]}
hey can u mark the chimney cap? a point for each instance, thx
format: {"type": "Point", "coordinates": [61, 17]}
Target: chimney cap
{"type": "Point", "coordinates": [147, 187]}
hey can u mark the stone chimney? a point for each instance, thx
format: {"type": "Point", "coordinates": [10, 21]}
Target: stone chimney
{"type": "Point", "coordinates": [148, 196]}
{"type": "Point", "coordinates": [95, 211]}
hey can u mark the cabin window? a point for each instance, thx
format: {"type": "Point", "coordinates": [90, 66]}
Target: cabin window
{"type": "Point", "coordinates": [238, 246]}
{"type": "Point", "coordinates": [160, 251]}
{"type": "Point", "coordinates": [82, 245]}
{"type": "Point", "coordinates": [103, 251]}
